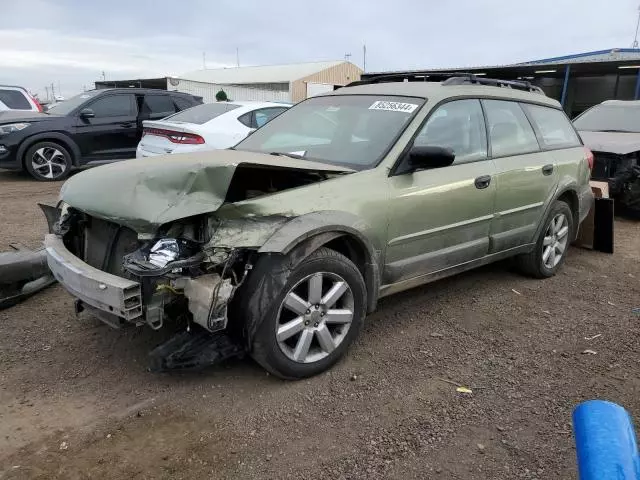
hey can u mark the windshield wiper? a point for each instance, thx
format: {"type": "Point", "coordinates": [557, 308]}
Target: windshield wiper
{"type": "Point", "coordinates": [290, 155]}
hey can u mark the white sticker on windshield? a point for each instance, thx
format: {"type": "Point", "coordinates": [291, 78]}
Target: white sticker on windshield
{"type": "Point", "coordinates": [299, 152]}
{"type": "Point", "coordinates": [393, 106]}
{"type": "Point", "coordinates": [333, 109]}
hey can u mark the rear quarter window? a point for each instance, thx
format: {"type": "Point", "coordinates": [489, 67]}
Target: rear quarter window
{"type": "Point", "coordinates": [554, 127]}
{"type": "Point", "coordinates": [14, 100]}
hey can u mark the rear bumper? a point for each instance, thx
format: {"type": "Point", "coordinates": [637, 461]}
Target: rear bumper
{"type": "Point", "coordinates": [108, 293]}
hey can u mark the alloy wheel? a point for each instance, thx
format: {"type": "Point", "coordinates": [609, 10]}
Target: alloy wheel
{"type": "Point", "coordinates": [555, 241]}
{"type": "Point", "coordinates": [49, 162]}
{"type": "Point", "coordinates": [314, 317]}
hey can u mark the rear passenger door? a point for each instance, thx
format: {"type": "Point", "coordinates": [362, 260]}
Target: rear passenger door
{"type": "Point", "coordinates": [526, 176]}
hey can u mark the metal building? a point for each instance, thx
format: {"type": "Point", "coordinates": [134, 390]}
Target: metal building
{"type": "Point", "coordinates": [578, 81]}
{"type": "Point", "coordinates": [290, 83]}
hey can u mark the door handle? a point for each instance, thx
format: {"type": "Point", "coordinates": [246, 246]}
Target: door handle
{"type": "Point", "coordinates": [483, 181]}
{"type": "Point", "coordinates": [547, 169]}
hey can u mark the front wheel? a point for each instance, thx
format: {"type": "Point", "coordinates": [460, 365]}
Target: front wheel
{"type": "Point", "coordinates": [309, 324]}
{"type": "Point", "coordinates": [552, 244]}
{"type": "Point", "coordinates": [48, 161]}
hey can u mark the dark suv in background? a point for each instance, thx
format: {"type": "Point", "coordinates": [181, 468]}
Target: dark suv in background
{"type": "Point", "coordinates": [95, 127]}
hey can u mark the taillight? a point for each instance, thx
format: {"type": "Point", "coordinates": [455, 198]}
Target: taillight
{"type": "Point", "coordinates": [589, 157]}
{"type": "Point", "coordinates": [38, 106]}
{"type": "Point", "coordinates": [175, 137]}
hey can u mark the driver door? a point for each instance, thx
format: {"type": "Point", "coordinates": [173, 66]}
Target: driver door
{"type": "Point", "coordinates": [440, 218]}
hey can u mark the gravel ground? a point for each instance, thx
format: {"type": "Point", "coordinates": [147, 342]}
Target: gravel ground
{"type": "Point", "coordinates": [76, 400]}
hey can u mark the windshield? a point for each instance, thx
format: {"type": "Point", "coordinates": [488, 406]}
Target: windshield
{"type": "Point", "coordinates": [66, 107]}
{"type": "Point", "coordinates": [610, 118]}
{"type": "Point", "coordinates": [350, 130]}
{"type": "Point", "coordinates": [201, 113]}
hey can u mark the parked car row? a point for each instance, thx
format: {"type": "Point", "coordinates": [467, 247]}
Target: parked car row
{"type": "Point", "coordinates": [102, 126]}
{"type": "Point", "coordinates": [282, 245]}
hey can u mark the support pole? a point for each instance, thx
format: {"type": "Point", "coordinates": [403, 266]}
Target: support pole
{"type": "Point", "coordinates": [565, 86]}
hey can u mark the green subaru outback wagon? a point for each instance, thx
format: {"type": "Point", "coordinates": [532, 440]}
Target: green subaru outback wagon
{"type": "Point", "coordinates": [280, 246]}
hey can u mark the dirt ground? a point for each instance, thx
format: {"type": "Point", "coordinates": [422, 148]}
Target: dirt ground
{"type": "Point", "coordinates": [77, 401]}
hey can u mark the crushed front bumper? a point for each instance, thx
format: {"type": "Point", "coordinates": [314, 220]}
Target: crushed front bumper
{"type": "Point", "coordinates": [113, 295]}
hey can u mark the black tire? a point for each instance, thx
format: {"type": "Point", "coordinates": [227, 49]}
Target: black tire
{"type": "Point", "coordinates": [532, 263]}
{"type": "Point", "coordinates": [55, 159]}
{"type": "Point", "coordinates": [265, 297]}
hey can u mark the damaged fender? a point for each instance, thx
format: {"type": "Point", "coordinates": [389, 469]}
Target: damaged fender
{"type": "Point", "coordinates": [289, 245]}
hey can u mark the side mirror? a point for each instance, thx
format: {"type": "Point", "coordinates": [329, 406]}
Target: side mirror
{"type": "Point", "coordinates": [430, 157]}
{"type": "Point", "coordinates": [87, 113]}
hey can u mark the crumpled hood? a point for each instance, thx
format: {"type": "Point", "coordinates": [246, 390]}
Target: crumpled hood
{"type": "Point", "coordinates": [143, 194]}
{"type": "Point", "coordinates": [620, 143]}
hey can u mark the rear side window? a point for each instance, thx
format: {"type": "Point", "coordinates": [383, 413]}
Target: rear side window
{"type": "Point", "coordinates": [554, 127]}
{"type": "Point", "coordinates": [509, 130]}
{"type": "Point", "coordinates": [458, 125]}
{"type": "Point", "coordinates": [158, 105]}
{"type": "Point", "coordinates": [258, 118]}
{"type": "Point", "coordinates": [113, 106]}
{"type": "Point", "coordinates": [266, 114]}
{"type": "Point", "coordinates": [202, 113]}
{"type": "Point", "coordinates": [14, 99]}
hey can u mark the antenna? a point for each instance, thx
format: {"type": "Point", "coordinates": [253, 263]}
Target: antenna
{"type": "Point", "coordinates": [635, 38]}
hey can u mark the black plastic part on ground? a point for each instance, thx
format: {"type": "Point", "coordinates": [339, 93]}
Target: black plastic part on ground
{"type": "Point", "coordinates": [194, 350]}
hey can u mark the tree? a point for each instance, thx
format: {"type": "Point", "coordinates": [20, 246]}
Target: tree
{"type": "Point", "coordinates": [221, 96]}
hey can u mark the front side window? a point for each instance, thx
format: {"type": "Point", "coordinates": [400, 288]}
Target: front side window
{"type": "Point", "coordinates": [458, 125]}
{"type": "Point", "coordinates": [554, 126]}
{"type": "Point", "coordinates": [113, 106]}
{"type": "Point", "coordinates": [610, 118]}
{"type": "Point", "coordinates": [351, 130]}
{"type": "Point", "coordinates": [509, 130]}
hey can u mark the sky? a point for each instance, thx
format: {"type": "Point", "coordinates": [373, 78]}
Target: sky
{"type": "Point", "coordinates": [70, 43]}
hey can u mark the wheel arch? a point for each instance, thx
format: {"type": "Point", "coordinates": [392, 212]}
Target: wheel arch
{"type": "Point", "coordinates": [54, 137]}
{"type": "Point", "coordinates": [340, 231]}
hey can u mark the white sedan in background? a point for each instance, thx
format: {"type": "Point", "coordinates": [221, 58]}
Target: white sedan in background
{"type": "Point", "coordinates": [209, 126]}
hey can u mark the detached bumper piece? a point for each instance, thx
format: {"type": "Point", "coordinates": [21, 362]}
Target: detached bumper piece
{"type": "Point", "coordinates": [22, 273]}
{"type": "Point", "coordinates": [111, 296]}
{"type": "Point", "coordinates": [194, 350]}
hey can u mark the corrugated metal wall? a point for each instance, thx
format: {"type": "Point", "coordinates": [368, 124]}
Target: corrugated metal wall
{"type": "Point", "coordinates": [339, 75]}
{"type": "Point", "coordinates": [208, 91]}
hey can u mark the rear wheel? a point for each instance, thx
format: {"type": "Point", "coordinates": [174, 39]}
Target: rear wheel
{"type": "Point", "coordinates": [553, 242]}
{"type": "Point", "coordinates": [48, 161]}
{"type": "Point", "coordinates": [311, 321]}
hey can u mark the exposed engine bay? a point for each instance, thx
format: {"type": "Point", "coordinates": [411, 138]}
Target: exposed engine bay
{"type": "Point", "coordinates": [622, 172]}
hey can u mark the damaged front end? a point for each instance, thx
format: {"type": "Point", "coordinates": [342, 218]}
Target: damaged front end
{"type": "Point", "coordinates": [159, 251]}
{"type": "Point", "coordinates": [622, 173]}
{"type": "Point", "coordinates": [123, 279]}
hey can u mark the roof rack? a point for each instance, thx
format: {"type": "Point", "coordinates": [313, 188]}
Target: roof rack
{"type": "Point", "coordinates": [494, 82]}
{"type": "Point", "coordinates": [450, 78]}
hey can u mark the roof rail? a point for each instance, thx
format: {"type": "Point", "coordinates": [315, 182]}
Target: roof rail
{"type": "Point", "coordinates": [410, 77]}
{"type": "Point", "coordinates": [449, 78]}
{"type": "Point", "coordinates": [494, 82]}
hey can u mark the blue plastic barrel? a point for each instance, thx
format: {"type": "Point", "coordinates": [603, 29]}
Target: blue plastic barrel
{"type": "Point", "coordinates": [605, 442]}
